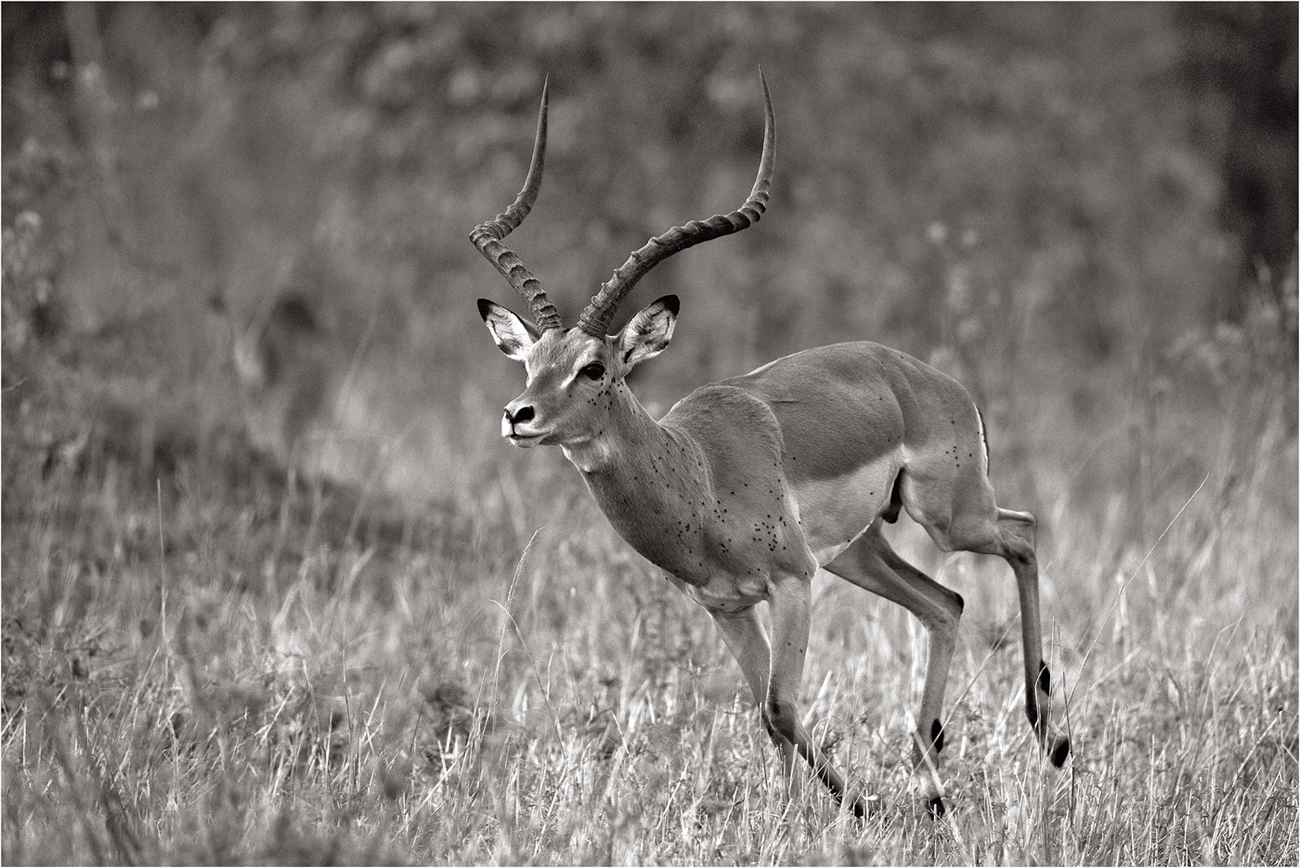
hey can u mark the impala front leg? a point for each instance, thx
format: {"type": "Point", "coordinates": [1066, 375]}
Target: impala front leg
{"type": "Point", "coordinates": [745, 638]}
{"type": "Point", "coordinates": [791, 602]}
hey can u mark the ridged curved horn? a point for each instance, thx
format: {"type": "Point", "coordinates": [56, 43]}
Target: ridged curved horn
{"type": "Point", "coordinates": [597, 316]}
{"type": "Point", "coordinates": [487, 236]}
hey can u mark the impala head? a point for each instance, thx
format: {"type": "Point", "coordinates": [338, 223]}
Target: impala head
{"type": "Point", "coordinates": [576, 374]}
{"type": "Point", "coordinates": [574, 379]}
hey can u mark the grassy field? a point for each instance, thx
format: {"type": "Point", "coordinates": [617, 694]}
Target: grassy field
{"type": "Point", "coordinates": [206, 664]}
{"type": "Point", "coordinates": [212, 656]}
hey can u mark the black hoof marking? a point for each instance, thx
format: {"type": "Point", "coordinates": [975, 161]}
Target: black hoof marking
{"type": "Point", "coordinates": [1060, 752]}
{"type": "Point", "coordinates": [936, 808]}
{"type": "Point", "coordinates": [862, 811]}
{"type": "Point", "coordinates": [1031, 708]}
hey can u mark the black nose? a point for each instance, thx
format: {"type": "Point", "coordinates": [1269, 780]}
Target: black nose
{"type": "Point", "coordinates": [523, 414]}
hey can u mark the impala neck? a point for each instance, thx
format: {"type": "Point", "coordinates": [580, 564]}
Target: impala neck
{"type": "Point", "coordinates": [651, 482]}
{"type": "Point", "coordinates": [627, 428]}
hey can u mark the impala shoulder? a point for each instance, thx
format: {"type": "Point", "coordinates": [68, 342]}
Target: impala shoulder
{"type": "Point", "coordinates": [726, 406]}
{"type": "Point", "coordinates": [726, 420]}
{"type": "Point", "coordinates": [735, 429]}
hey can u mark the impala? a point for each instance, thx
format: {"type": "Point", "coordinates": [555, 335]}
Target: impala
{"type": "Point", "coordinates": [748, 486]}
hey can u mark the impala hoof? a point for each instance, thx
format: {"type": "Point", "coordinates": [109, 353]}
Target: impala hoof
{"type": "Point", "coordinates": [928, 798]}
{"type": "Point", "coordinates": [1060, 751]}
{"type": "Point", "coordinates": [866, 806]}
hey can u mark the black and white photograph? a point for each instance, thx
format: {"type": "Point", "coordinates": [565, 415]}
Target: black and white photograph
{"type": "Point", "coordinates": [594, 433]}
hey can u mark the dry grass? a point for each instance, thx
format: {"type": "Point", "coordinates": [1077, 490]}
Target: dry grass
{"type": "Point", "coordinates": [222, 669]}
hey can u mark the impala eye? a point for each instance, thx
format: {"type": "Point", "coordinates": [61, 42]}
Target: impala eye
{"type": "Point", "coordinates": [594, 371]}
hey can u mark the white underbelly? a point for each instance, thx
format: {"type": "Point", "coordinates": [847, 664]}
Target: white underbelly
{"type": "Point", "coordinates": [836, 511]}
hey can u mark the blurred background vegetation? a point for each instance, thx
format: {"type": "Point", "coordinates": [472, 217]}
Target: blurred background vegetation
{"type": "Point", "coordinates": [1085, 212]}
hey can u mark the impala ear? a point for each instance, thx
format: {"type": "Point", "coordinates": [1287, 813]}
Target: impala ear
{"type": "Point", "coordinates": [647, 334]}
{"type": "Point", "coordinates": [512, 334]}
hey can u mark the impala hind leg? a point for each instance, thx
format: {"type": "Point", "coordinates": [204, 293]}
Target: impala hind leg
{"type": "Point", "coordinates": [1014, 542]}
{"type": "Point", "coordinates": [871, 564]}
{"type": "Point", "coordinates": [959, 512]}
{"type": "Point", "coordinates": [974, 523]}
